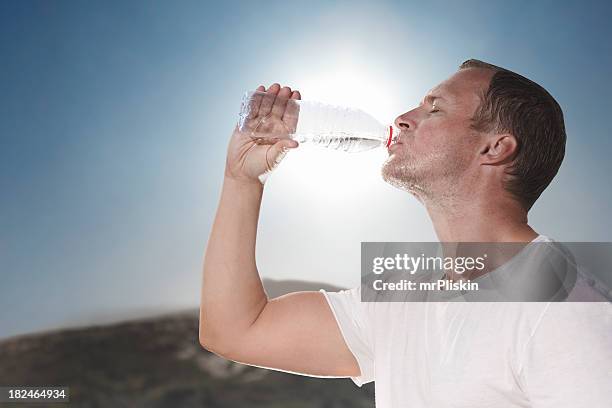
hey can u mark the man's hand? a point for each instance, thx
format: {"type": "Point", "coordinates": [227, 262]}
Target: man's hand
{"type": "Point", "coordinates": [271, 116]}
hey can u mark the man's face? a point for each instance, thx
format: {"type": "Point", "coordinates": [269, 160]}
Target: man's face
{"type": "Point", "coordinates": [437, 146]}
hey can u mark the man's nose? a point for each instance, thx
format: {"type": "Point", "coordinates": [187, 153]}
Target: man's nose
{"type": "Point", "coordinates": [405, 122]}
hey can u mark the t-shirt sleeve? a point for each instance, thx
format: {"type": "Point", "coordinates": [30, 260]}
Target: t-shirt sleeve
{"type": "Point", "coordinates": [568, 361]}
{"type": "Point", "coordinates": [354, 324]}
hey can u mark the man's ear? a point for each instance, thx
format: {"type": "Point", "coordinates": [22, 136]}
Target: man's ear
{"type": "Point", "coordinates": [498, 149]}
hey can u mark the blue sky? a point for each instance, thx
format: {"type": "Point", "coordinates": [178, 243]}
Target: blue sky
{"type": "Point", "coordinates": [114, 120]}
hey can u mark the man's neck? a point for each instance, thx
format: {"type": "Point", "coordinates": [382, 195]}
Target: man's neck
{"type": "Point", "coordinates": [478, 219]}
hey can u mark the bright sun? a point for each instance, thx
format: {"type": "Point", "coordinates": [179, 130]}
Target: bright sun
{"type": "Point", "coordinates": [346, 85]}
{"type": "Point", "coordinates": [328, 179]}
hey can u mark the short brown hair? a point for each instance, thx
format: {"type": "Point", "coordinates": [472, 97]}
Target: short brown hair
{"type": "Point", "coordinates": [519, 106]}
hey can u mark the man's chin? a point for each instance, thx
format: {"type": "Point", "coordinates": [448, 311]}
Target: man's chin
{"type": "Point", "coordinates": [396, 177]}
{"type": "Point", "coordinates": [402, 178]}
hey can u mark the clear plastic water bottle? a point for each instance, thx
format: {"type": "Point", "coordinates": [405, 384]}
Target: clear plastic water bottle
{"type": "Point", "coordinates": [335, 127]}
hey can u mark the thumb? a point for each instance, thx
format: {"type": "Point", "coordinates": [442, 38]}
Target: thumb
{"type": "Point", "coordinates": [277, 152]}
{"type": "Point", "coordinates": [284, 144]}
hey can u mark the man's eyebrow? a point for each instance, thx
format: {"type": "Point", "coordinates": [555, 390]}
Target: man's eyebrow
{"type": "Point", "coordinates": [432, 98]}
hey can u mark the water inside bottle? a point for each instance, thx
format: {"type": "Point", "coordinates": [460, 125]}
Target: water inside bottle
{"type": "Point", "coordinates": [314, 123]}
{"type": "Point", "coordinates": [341, 140]}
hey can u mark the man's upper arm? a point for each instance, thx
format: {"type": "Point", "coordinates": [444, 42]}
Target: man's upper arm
{"type": "Point", "coordinates": [298, 333]}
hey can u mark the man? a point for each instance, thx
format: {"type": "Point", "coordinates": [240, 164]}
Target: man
{"type": "Point", "coordinates": [477, 152]}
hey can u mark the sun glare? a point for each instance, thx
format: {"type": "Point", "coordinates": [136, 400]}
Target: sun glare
{"type": "Point", "coordinates": [337, 177]}
{"type": "Point", "coordinates": [346, 84]}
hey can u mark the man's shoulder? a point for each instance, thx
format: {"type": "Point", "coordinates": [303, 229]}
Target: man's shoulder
{"type": "Point", "coordinates": [588, 287]}
{"type": "Point", "coordinates": [586, 290]}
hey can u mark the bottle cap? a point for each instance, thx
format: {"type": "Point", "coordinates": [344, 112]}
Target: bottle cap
{"type": "Point", "coordinates": [393, 136]}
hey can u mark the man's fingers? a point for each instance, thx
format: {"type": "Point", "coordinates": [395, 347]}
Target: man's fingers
{"type": "Point", "coordinates": [292, 110]}
{"type": "Point", "coordinates": [281, 102]}
{"type": "Point", "coordinates": [255, 102]}
{"type": "Point", "coordinates": [268, 100]}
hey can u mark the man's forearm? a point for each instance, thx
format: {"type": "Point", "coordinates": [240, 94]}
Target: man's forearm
{"type": "Point", "coordinates": [232, 293]}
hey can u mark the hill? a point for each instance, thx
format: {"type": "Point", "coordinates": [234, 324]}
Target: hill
{"type": "Point", "coordinates": [158, 362]}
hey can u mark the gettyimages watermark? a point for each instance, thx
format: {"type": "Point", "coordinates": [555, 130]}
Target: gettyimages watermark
{"type": "Point", "coordinates": [486, 272]}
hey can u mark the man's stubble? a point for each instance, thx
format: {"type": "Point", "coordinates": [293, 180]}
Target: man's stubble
{"type": "Point", "coordinates": [432, 177]}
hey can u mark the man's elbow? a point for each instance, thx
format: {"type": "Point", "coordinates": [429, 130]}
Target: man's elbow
{"type": "Point", "coordinates": [213, 342]}
{"type": "Point", "coordinates": [207, 339]}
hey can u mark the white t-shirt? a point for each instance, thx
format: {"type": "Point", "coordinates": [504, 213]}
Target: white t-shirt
{"type": "Point", "coordinates": [480, 354]}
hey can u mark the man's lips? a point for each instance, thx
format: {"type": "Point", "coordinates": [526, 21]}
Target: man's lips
{"type": "Point", "coordinates": [394, 146]}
